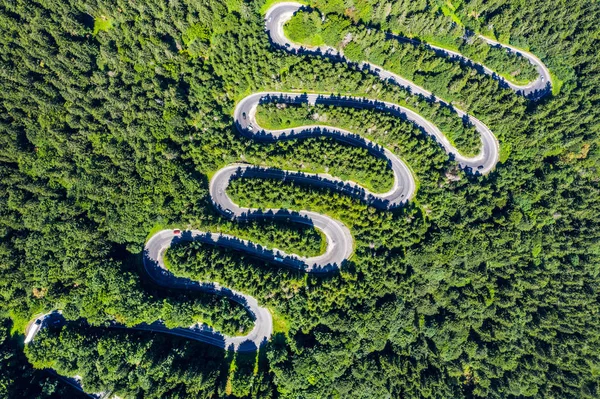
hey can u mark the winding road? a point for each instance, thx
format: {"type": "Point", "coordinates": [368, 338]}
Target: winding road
{"type": "Point", "coordinates": [338, 236]}
{"type": "Point", "coordinates": [280, 13]}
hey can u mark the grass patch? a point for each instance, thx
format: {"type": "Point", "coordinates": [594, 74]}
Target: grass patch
{"type": "Point", "coordinates": [448, 10]}
{"type": "Point", "coordinates": [166, 260]}
{"type": "Point", "coordinates": [514, 80]}
{"type": "Point", "coordinates": [20, 322]}
{"type": "Point", "coordinates": [438, 42]}
{"type": "Point", "coordinates": [505, 150]}
{"type": "Point", "coordinates": [556, 84]}
{"type": "Point", "coordinates": [323, 242]}
{"type": "Point", "coordinates": [280, 324]}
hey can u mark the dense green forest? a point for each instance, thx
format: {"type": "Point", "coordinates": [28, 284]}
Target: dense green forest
{"type": "Point", "coordinates": [115, 115]}
{"type": "Point", "coordinates": [18, 379]}
{"type": "Point", "coordinates": [360, 42]}
{"type": "Point", "coordinates": [141, 364]}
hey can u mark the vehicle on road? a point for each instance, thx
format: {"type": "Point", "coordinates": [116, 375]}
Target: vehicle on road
{"type": "Point", "coordinates": [278, 259]}
{"type": "Point", "coordinates": [176, 232]}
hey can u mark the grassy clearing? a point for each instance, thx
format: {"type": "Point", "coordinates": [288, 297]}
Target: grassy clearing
{"type": "Point", "coordinates": [556, 84]}
{"type": "Point", "coordinates": [280, 324]}
{"type": "Point", "coordinates": [166, 260]}
{"type": "Point", "coordinates": [514, 80]}
{"type": "Point", "coordinates": [449, 10]}
{"type": "Point", "coordinates": [505, 150]}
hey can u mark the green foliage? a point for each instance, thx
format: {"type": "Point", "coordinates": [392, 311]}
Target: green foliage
{"type": "Point", "coordinates": [354, 52]}
{"type": "Point", "coordinates": [368, 124]}
{"type": "Point", "coordinates": [291, 238]}
{"type": "Point", "coordinates": [195, 32]}
{"type": "Point", "coordinates": [509, 65]}
{"type": "Point", "coordinates": [134, 364]}
{"type": "Point", "coordinates": [305, 28]}
{"type": "Point", "coordinates": [347, 163]}
{"type": "Point", "coordinates": [19, 380]}
{"type": "Point", "coordinates": [102, 23]}
{"type": "Point", "coordinates": [196, 37]}
{"type": "Point", "coordinates": [364, 44]}
{"type": "Point", "coordinates": [483, 287]}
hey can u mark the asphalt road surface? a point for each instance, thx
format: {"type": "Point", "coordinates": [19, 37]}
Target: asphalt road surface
{"type": "Point", "coordinates": [339, 239]}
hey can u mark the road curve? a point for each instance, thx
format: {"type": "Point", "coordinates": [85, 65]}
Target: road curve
{"type": "Point", "coordinates": [339, 239]}
{"type": "Point", "coordinates": [154, 265]}
{"type": "Point", "coordinates": [533, 90]}
{"type": "Point", "coordinates": [483, 163]}
{"type": "Point", "coordinates": [280, 13]}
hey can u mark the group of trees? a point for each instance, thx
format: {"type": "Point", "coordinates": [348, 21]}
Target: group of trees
{"type": "Point", "coordinates": [354, 163]}
{"type": "Point", "coordinates": [18, 378]}
{"type": "Point", "coordinates": [141, 364]}
{"type": "Point", "coordinates": [369, 124]}
{"type": "Point", "coordinates": [293, 238]}
{"type": "Point", "coordinates": [115, 115]}
{"type": "Point", "coordinates": [362, 41]}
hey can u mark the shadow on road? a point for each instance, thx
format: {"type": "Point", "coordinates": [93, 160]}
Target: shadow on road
{"type": "Point", "coordinates": [343, 135]}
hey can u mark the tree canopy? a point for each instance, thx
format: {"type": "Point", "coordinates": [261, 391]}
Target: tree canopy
{"type": "Point", "coordinates": [115, 115]}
